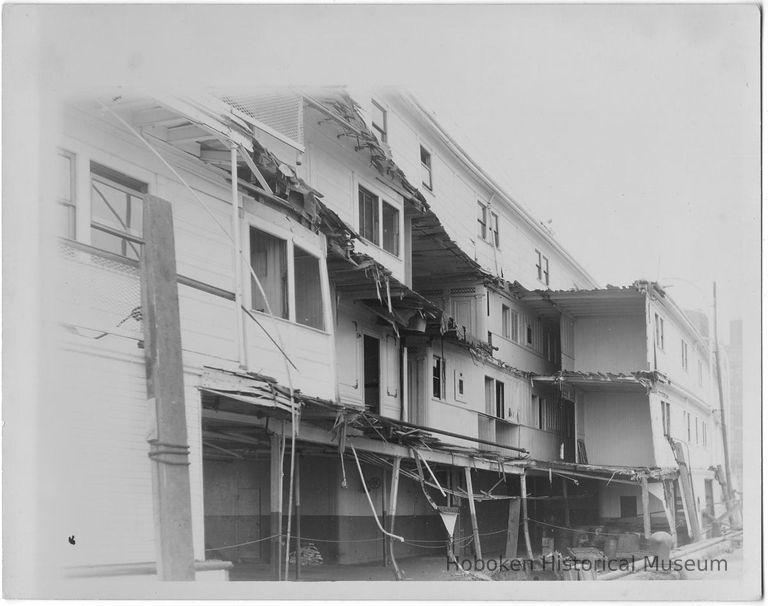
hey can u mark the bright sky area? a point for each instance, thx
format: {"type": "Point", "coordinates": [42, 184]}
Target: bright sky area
{"type": "Point", "coordinates": [635, 129]}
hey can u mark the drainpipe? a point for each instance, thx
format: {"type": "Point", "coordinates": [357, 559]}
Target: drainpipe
{"type": "Point", "coordinates": [238, 264]}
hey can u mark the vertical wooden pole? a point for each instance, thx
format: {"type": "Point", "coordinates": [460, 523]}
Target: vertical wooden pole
{"type": "Point", "coordinates": [393, 513]}
{"type": "Point", "coordinates": [566, 506]}
{"type": "Point", "coordinates": [723, 426]}
{"type": "Point", "coordinates": [297, 500]}
{"type": "Point", "coordinates": [238, 264]}
{"type": "Point", "coordinates": [669, 508]}
{"type": "Point", "coordinates": [646, 510]}
{"type": "Point", "coordinates": [169, 450]}
{"type": "Point", "coordinates": [473, 515]}
{"type": "Point", "coordinates": [276, 504]}
{"type": "Point", "coordinates": [524, 505]}
{"type": "Point", "coordinates": [513, 528]}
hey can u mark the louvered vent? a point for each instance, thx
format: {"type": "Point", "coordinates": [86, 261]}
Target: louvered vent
{"type": "Point", "coordinates": [282, 112]}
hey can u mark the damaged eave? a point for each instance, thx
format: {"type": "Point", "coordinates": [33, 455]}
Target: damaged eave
{"type": "Point", "coordinates": [620, 474]}
{"type": "Point", "coordinates": [642, 380]}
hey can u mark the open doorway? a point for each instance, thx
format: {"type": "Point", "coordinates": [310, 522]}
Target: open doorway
{"type": "Point", "coordinates": [372, 373]}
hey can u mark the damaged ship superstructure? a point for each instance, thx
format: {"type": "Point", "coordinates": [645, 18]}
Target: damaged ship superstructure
{"type": "Point", "coordinates": [302, 327]}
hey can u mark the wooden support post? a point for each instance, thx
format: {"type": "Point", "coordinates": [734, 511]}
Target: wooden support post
{"type": "Point", "coordinates": [169, 450]}
{"type": "Point", "coordinates": [513, 528]}
{"type": "Point", "coordinates": [524, 506]}
{"type": "Point", "coordinates": [473, 515]}
{"type": "Point", "coordinates": [297, 500]}
{"type": "Point", "coordinates": [669, 508]}
{"type": "Point", "coordinates": [276, 504]}
{"type": "Point", "coordinates": [393, 513]}
{"type": "Point", "coordinates": [566, 506]}
{"type": "Point", "coordinates": [646, 510]}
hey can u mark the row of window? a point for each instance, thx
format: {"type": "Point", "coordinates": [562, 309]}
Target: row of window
{"type": "Point", "coordinates": [487, 220]}
{"type": "Point", "coordinates": [659, 340]}
{"type": "Point", "coordinates": [116, 227]}
{"type": "Point", "coordinates": [696, 432]}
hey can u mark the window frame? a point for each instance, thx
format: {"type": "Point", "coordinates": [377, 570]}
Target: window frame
{"type": "Point", "coordinates": [426, 168]}
{"type": "Point", "coordinates": [381, 129]}
{"type": "Point", "coordinates": [126, 184]}
{"type": "Point", "coordinates": [684, 354]}
{"type": "Point", "coordinates": [542, 267]}
{"type": "Point", "coordinates": [379, 202]}
{"type": "Point", "coordinates": [292, 241]}
{"type": "Point", "coordinates": [493, 230]}
{"type": "Point", "coordinates": [70, 204]}
{"type": "Point", "coordinates": [482, 221]}
{"type": "Point", "coordinates": [506, 321]}
{"type": "Point", "coordinates": [441, 378]}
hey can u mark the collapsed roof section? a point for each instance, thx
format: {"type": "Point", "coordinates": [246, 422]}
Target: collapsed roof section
{"type": "Point", "coordinates": [609, 473]}
{"type": "Point", "coordinates": [243, 394]}
{"type": "Point", "coordinates": [642, 380]}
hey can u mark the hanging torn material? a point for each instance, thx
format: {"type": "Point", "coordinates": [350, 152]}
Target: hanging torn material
{"type": "Point", "coordinates": [449, 515]}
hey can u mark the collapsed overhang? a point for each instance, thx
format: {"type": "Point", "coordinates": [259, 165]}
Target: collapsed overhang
{"type": "Point", "coordinates": [617, 474]}
{"type": "Point", "coordinates": [602, 302]}
{"type": "Point", "coordinates": [240, 410]}
{"type": "Point", "coordinates": [640, 381]}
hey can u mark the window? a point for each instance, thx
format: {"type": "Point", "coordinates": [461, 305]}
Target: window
{"type": "Point", "coordinates": [379, 121]}
{"type": "Point", "coordinates": [688, 423]}
{"type": "Point", "coordinates": [368, 208]}
{"type": "Point", "coordinates": [494, 229]}
{"type": "Point", "coordinates": [528, 333]}
{"type": "Point", "coordinates": [628, 506]}
{"type": "Point", "coordinates": [490, 338]}
{"type": "Point", "coordinates": [438, 377]}
{"type": "Point", "coordinates": [426, 168]}
{"type": "Point", "coordinates": [309, 295]}
{"type": "Point", "coordinates": [66, 193]}
{"type": "Point", "coordinates": [116, 211]}
{"type": "Point", "coordinates": [704, 433]}
{"type": "Point", "coordinates": [701, 372]}
{"type": "Point", "coordinates": [269, 261]}
{"type": "Point", "coordinates": [665, 418]}
{"type": "Point", "coordinates": [684, 352]}
{"type": "Point", "coordinates": [659, 331]}
{"type": "Point", "coordinates": [506, 329]}
{"type": "Point", "coordinates": [379, 223]}
{"type": "Point", "coordinates": [482, 221]}
{"type": "Point", "coordinates": [542, 268]}
{"type": "Point", "coordinates": [514, 320]}
{"type": "Point", "coordinates": [459, 384]}
{"type": "Point", "coordinates": [390, 221]}
{"type": "Point", "coordinates": [696, 419]}
{"type": "Point", "coordinates": [500, 409]}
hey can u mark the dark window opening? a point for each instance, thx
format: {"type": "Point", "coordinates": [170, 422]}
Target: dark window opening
{"type": "Point", "coordinates": [309, 295]}
{"type": "Point", "coordinates": [628, 507]}
{"type": "Point", "coordinates": [368, 207]}
{"type": "Point", "coordinates": [371, 374]}
{"type": "Point", "coordinates": [379, 121]}
{"type": "Point", "coordinates": [438, 374]}
{"type": "Point", "coordinates": [426, 168]}
{"type": "Point", "coordinates": [500, 410]}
